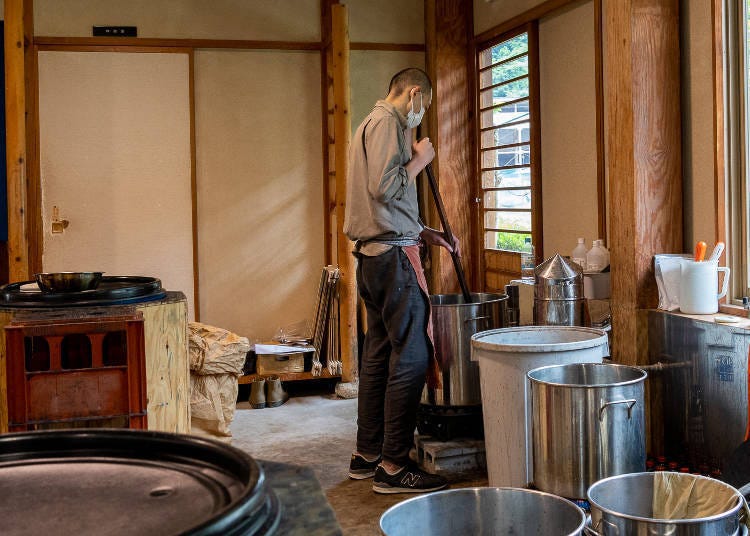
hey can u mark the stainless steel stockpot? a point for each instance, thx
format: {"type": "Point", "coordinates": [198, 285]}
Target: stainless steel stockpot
{"type": "Point", "coordinates": [623, 505]}
{"type": "Point", "coordinates": [588, 423]}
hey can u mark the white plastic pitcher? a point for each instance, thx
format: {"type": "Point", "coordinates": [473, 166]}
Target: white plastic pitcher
{"type": "Point", "coordinates": [698, 283]}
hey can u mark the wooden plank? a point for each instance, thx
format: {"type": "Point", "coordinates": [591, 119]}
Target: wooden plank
{"type": "Point", "coordinates": [544, 9]}
{"type": "Point", "coordinates": [601, 186]}
{"type": "Point", "coordinates": [325, 104]}
{"type": "Point", "coordinates": [179, 43]}
{"type": "Point", "coordinates": [15, 128]}
{"type": "Point", "coordinates": [194, 191]}
{"type": "Point", "coordinates": [449, 30]}
{"type": "Point", "coordinates": [290, 376]}
{"type": "Point", "coordinates": [342, 135]}
{"type": "Point", "coordinates": [34, 222]}
{"type": "Point", "coordinates": [535, 144]}
{"type": "Point", "coordinates": [114, 48]}
{"type": "Point", "coordinates": [643, 166]}
{"type": "Point", "coordinates": [167, 365]}
{"type": "Point", "coordinates": [717, 58]}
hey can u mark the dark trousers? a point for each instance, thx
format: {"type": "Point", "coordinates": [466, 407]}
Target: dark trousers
{"type": "Point", "coordinates": [395, 355]}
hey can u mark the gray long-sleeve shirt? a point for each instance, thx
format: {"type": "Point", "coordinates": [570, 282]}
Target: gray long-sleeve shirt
{"type": "Point", "coordinates": [381, 201]}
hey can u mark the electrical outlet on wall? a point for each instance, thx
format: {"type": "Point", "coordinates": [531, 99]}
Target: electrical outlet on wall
{"type": "Point", "coordinates": [115, 31]}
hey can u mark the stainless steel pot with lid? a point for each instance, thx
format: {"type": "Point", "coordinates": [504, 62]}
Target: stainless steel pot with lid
{"type": "Point", "coordinates": [558, 293]}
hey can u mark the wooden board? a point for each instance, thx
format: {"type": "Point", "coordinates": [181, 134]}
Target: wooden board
{"type": "Point", "coordinates": [167, 366]}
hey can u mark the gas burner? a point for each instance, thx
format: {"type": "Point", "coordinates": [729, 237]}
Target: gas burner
{"type": "Point", "coordinates": [112, 290]}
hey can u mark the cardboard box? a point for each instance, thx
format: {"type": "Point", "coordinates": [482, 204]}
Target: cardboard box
{"type": "Point", "coordinates": [280, 363]}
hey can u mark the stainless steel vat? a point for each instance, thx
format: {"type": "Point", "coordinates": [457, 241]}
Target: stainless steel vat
{"type": "Point", "coordinates": [483, 512]}
{"type": "Point", "coordinates": [588, 424]}
{"type": "Point", "coordinates": [558, 294]}
{"type": "Point", "coordinates": [624, 505]}
{"type": "Point", "coordinates": [454, 322]}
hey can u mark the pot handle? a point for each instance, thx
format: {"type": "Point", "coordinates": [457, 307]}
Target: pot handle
{"type": "Point", "coordinates": [630, 402]}
{"type": "Point", "coordinates": [476, 318]}
{"type": "Point", "coordinates": [592, 530]}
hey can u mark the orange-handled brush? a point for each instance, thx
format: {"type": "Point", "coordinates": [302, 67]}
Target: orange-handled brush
{"type": "Point", "coordinates": [700, 251]}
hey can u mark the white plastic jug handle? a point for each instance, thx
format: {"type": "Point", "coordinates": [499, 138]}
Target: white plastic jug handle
{"type": "Point", "coordinates": [725, 283]}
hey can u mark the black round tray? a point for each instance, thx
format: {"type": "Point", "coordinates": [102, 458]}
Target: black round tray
{"type": "Point", "coordinates": [112, 290]}
{"type": "Point", "coordinates": [123, 482]}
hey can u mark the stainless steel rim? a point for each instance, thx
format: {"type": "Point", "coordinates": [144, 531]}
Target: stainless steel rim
{"type": "Point", "coordinates": [716, 517]}
{"type": "Point", "coordinates": [634, 381]}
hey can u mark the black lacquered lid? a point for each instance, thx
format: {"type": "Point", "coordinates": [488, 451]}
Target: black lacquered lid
{"type": "Point", "coordinates": [112, 290]}
{"type": "Point", "coordinates": [125, 482]}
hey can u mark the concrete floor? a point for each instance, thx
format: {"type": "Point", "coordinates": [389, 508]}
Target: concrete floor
{"type": "Point", "coordinates": [318, 430]}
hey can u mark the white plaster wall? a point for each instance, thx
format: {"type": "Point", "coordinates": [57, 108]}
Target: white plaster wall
{"type": "Point", "coordinates": [568, 112]}
{"type": "Point", "coordinates": [370, 72]}
{"type": "Point", "coordinates": [115, 158]}
{"type": "Point", "coordinates": [260, 187]}
{"type": "Point", "coordinates": [386, 21]}
{"type": "Point", "coordinates": [699, 214]}
{"type": "Point", "coordinates": [489, 13]}
{"type": "Point", "coordinates": [289, 20]}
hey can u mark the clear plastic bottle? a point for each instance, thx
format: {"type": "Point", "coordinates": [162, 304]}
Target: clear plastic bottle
{"type": "Point", "coordinates": [579, 254]}
{"type": "Point", "coordinates": [528, 260]}
{"type": "Point", "coordinates": [596, 258]}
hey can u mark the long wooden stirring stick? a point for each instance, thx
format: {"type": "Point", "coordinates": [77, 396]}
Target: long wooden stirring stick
{"type": "Point", "coordinates": [448, 234]}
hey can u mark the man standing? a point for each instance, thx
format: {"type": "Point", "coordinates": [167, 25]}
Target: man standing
{"type": "Point", "coordinates": [382, 217]}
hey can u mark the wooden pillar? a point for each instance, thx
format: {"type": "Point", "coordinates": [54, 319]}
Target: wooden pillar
{"type": "Point", "coordinates": [642, 66]}
{"type": "Point", "coordinates": [449, 29]}
{"type": "Point", "coordinates": [342, 135]}
{"type": "Point", "coordinates": [18, 30]}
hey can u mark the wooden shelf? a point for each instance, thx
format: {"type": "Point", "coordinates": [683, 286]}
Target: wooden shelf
{"type": "Point", "coordinates": [290, 376]}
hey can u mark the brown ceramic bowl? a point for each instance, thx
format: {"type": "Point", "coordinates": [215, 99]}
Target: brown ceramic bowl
{"type": "Point", "coordinates": [68, 281]}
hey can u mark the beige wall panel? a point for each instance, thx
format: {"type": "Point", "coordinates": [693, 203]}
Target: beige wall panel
{"type": "Point", "coordinates": [489, 13]}
{"type": "Point", "coordinates": [699, 214]}
{"type": "Point", "coordinates": [260, 188]}
{"type": "Point", "coordinates": [115, 159]}
{"type": "Point", "coordinates": [568, 112]}
{"type": "Point", "coordinates": [288, 20]}
{"type": "Point", "coordinates": [371, 71]}
{"type": "Point", "coordinates": [386, 21]}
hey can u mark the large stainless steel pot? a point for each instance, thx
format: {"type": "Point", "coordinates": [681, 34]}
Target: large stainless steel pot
{"type": "Point", "coordinates": [558, 294]}
{"type": "Point", "coordinates": [454, 322]}
{"type": "Point", "coordinates": [484, 512]}
{"type": "Point", "coordinates": [588, 424]}
{"type": "Point", "coordinates": [623, 505]}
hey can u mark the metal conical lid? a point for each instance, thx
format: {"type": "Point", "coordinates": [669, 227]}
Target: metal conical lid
{"type": "Point", "coordinates": [557, 278]}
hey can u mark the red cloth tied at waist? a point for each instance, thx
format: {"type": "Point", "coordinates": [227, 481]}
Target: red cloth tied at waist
{"type": "Point", "coordinates": [433, 367]}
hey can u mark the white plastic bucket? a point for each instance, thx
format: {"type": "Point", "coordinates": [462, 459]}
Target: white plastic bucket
{"type": "Point", "coordinates": [505, 356]}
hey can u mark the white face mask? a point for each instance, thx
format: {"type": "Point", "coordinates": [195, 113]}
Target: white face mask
{"type": "Point", "coordinates": [414, 118]}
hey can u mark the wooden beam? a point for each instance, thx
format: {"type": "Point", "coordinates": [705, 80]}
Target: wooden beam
{"type": "Point", "coordinates": [194, 190]}
{"type": "Point", "coordinates": [449, 31]}
{"type": "Point", "coordinates": [535, 13]}
{"type": "Point", "coordinates": [342, 135]}
{"type": "Point", "coordinates": [601, 184]}
{"type": "Point", "coordinates": [15, 125]}
{"type": "Point", "coordinates": [717, 58]}
{"type": "Point", "coordinates": [644, 158]}
{"type": "Point", "coordinates": [179, 43]}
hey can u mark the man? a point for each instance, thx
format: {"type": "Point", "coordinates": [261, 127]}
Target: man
{"type": "Point", "coordinates": [382, 217]}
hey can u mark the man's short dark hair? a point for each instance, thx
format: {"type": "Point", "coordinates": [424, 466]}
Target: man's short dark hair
{"type": "Point", "coordinates": [409, 77]}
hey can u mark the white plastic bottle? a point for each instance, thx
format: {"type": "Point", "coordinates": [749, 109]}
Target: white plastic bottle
{"type": "Point", "coordinates": [579, 254]}
{"type": "Point", "coordinates": [528, 261]}
{"type": "Point", "coordinates": [596, 258]}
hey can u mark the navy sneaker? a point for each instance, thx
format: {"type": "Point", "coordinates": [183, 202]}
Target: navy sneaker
{"type": "Point", "coordinates": [410, 479]}
{"type": "Point", "coordinates": [359, 468]}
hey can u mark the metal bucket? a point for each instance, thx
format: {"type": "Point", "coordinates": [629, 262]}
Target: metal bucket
{"type": "Point", "coordinates": [483, 512]}
{"type": "Point", "coordinates": [588, 424]}
{"type": "Point", "coordinates": [454, 322]}
{"type": "Point", "coordinates": [623, 505]}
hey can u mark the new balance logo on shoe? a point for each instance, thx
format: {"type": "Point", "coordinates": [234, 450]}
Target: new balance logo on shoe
{"type": "Point", "coordinates": [410, 480]}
